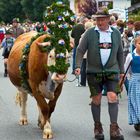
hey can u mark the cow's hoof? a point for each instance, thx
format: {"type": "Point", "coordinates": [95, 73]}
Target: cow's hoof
{"type": "Point", "coordinates": [40, 125]}
{"type": "Point", "coordinates": [23, 122]}
{"type": "Point", "coordinates": [47, 134]}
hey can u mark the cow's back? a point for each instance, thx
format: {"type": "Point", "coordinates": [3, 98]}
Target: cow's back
{"type": "Point", "coordinates": [15, 56]}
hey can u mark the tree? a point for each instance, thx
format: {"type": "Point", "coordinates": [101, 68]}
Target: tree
{"type": "Point", "coordinates": [25, 9]}
{"type": "Point", "coordinates": [34, 9]}
{"type": "Point", "coordinates": [134, 1]}
{"type": "Point", "coordinates": [10, 9]}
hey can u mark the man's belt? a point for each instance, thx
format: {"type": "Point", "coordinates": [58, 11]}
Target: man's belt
{"type": "Point", "coordinates": [105, 45]}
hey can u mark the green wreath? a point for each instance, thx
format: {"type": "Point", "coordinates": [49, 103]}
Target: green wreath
{"type": "Point", "coordinates": [60, 20]}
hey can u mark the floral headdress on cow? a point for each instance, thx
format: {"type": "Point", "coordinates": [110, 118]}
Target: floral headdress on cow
{"type": "Point", "coordinates": [60, 20]}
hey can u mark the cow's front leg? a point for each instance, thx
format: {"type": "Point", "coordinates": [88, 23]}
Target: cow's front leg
{"type": "Point", "coordinates": [22, 97]}
{"type": "Point", "coordinates": [47, 132]}
{"type": "Point", "coordinates": [45, 125]}
{"type": "Point", "coordinates": [43, 121]}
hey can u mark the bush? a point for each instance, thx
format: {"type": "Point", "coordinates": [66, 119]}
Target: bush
{"type": "Point", "coordinates": [135, 15]}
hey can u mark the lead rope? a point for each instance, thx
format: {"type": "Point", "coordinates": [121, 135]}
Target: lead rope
{"type": "Point", "coordinates": [76, 78]}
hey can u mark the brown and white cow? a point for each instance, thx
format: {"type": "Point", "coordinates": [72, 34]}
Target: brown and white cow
{"type": "Point", "coordinates": [39, 78]}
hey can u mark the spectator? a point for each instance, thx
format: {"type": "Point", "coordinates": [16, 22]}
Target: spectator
{"type": "Point", "coordinates": [120, 25]}
{"type": "Point", "coordinates": [113, 21]}
{"type": "Point", "coordinates": [16, 28]}
{"type": "Point", "coordinates": [76, 33]}
{"type": "Point", "coordinates": [7, 44]}
{"type": "Point", "coordinates": [2, 32]}
{"type": "Point", "coordinates": [130, 26]}
{"type": "Point", "coordinates": [88, 25]}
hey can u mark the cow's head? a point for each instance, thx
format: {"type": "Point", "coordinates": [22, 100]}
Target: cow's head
{"type": "Point", "coordinates": [57, 63]}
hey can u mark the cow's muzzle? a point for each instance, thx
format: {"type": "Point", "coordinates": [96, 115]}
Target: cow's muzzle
{"type": "Point", "coordinates": [58, 78]}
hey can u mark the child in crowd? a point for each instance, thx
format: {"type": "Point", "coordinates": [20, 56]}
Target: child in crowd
{"type": "Point", "coordinates": [134, 85]}
{"type": "Point", "coordinates": [7, 44]}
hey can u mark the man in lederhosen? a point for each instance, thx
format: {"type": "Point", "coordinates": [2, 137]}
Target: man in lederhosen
{"type": "Point", "coordinates": [104, 68]}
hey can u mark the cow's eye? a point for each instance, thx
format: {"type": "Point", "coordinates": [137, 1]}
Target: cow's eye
{"type": "Point", "coordinates": [50, 56]}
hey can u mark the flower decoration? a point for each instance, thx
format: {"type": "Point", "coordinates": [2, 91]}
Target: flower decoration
{"type": "Point", "coordinates": [63, 20]}
{"type": "Point", "coordinates": [73, 18]}
{"type": "Point", "coordinates": [65, 25]}
{"type": "Point", "coordinates": [59, 2]}
{"type": "Point", "coordinates": [61, 42]}
{"type": "Point", "coordinates": [60, 18]}
{"type": "Point", "coordinates": [66, 13]}
{"type": "Point", "coordinates": [52, 22]}
{"type": "Point", "coordinates": [60, 26]}
{"type": "Point", "coordinates": [61, 55]}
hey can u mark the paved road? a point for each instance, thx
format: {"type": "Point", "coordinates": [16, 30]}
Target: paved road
{"type": "Point", "coordinates": [71, 120]}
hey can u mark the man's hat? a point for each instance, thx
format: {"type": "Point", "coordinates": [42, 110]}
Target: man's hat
{"type": "Point", "coordinates": [102, 13]}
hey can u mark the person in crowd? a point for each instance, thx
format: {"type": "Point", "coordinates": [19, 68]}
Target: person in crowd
{"type": "Point", "coordinates": [136, 33]}
{"type": "Point", "coordinates": [120, 25]}
{"type": "Point", "coordinates": [76, 33]}
{"type": "Point", "coordinates": [133, 62]}
{"type": "Point", "coordinates": [126, 49]}
{"type": "Point", "coordinates": [16, 28]}
{"type": "Point", "coordinates": [113, 21]}
{"type": "Point", "coordinates": [115, 15]}
{"type": "Point", "coordinates": [105, 67]}
{"type": "Point", "coordinates": [130, 26]}
{"type": "Point", "coordinates": [7, 44]}
{"type": "Point", "coordinates": [2, 32]}
{"type": "Point", "coordinates": [83, 80]}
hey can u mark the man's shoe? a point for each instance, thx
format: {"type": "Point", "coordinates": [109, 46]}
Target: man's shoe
{"type": "Point", "coordinates": [98, 131]}
{"type": "Point", "coordinates": [115, 132]}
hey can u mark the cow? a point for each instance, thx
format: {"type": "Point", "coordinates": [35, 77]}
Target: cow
{"type": "Point", "coordinates": [39, 78]}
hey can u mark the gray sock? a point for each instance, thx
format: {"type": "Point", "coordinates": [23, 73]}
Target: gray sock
{"type": "Point", "coordinates": [113, 111]}
{"type": "Point", "coordinates": [96, 110]}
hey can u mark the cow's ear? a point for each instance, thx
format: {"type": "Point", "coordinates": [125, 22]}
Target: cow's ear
{"type": "Point", "coordinates": [43, 44]}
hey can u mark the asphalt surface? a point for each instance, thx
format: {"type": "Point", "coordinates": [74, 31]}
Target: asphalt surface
{"type": "Point", "coordinates": [71, 119]}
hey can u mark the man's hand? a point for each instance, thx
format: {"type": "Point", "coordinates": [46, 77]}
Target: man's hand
{"type": "Point", "coordinates": [121, 76]}
{"type": "Point", "coordinates": [121, 81]}
{"type": "Point", "coordinates": [77, 71]}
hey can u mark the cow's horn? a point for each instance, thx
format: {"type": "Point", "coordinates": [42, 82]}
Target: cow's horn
{"type": "Point", "coordinates": [43, 44]}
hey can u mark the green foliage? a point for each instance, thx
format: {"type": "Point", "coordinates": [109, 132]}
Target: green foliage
{"type": "Point", "coordinates": [60, 20]}
{"type": "Point", "coordinates": [134, 1]}
{"type": "Point", "coordinates": [110, 5]}
{"type": "Point", "coordinates": [28, 8]}
{"type": "Point", "coordinates": [10, 9]}
{"type": "Point", "coordinates": [23, 64]}
{"type": "Point", "coordinates": [24, 9]}
{"type": "Point", "coordinates": [135, 15]}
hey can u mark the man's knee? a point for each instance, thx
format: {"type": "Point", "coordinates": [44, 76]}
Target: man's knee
{"type": "Point", "coordinates": [96, 99]}
{"type": "Point", "coordinates": [112, 97]}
